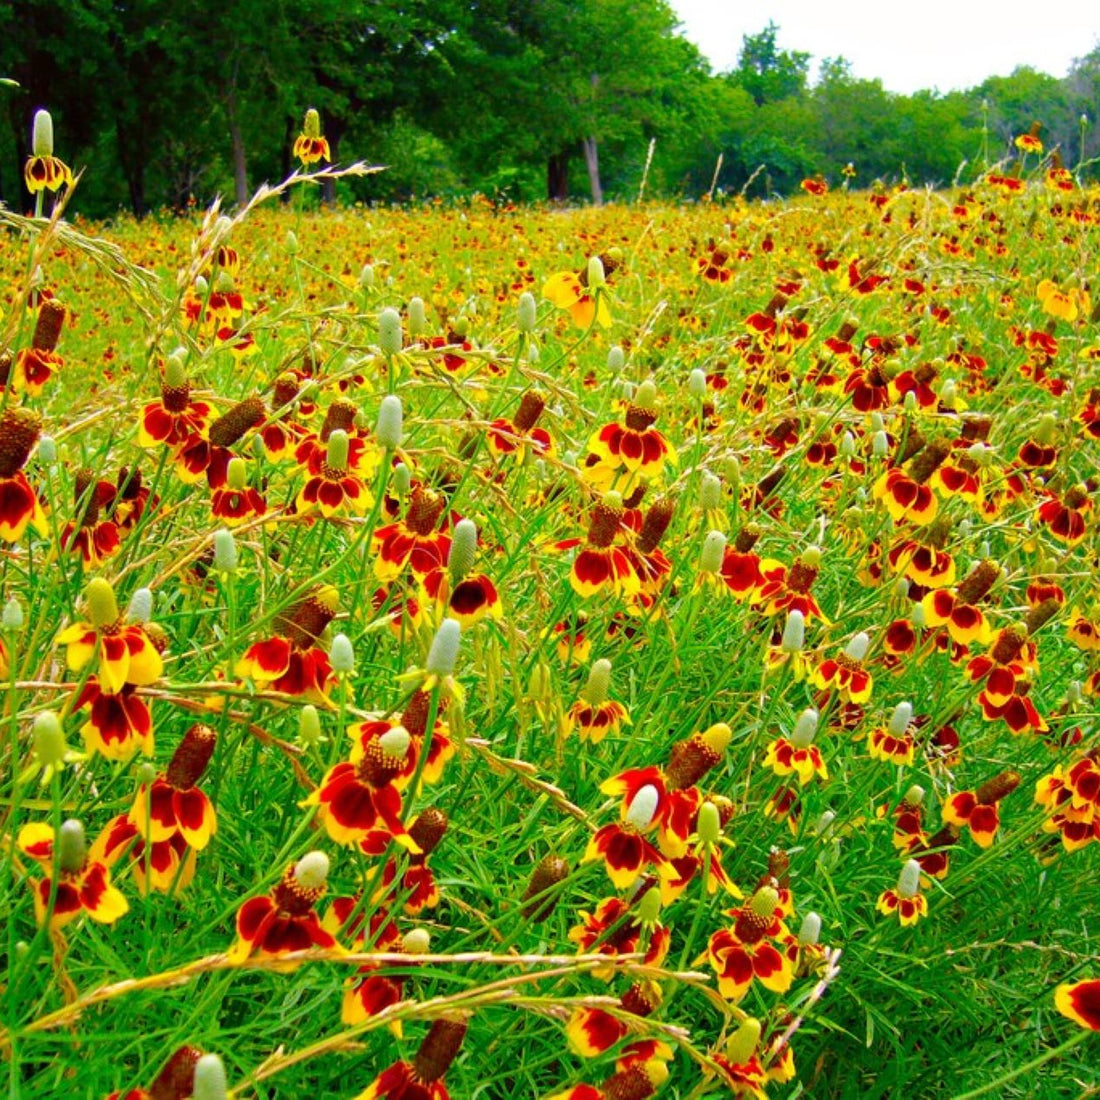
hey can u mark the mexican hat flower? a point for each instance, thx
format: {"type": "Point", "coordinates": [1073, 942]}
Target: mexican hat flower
{"type": "Point", "coordinates": [36, 365]}
{"type": "Point", "coordinates": [19, 506]}
{"type": "Point", "coordinates": [309, 146]}
{"type": "Point", "coordinates": [423, 1077]}
{"type": "Point", "coordinates": [906, 902]}
{"type": "Point", "coordinates": [84, 882]}
{"type": "Point", "coordinates": [746, 951]}
{"type": "Point", "coordinates": [1080, 1002]}
{"type": "Point", "coordinates": [177, 416]}
{"type": "Point", "coordinates": [583, 294]}
{"type": "Point", "coordinates": [43, 171]}
{"type": "Point", "coordinates": [979, 810]}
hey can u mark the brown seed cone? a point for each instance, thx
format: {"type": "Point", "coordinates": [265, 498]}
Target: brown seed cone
{"type": "Point", "coordinates": [339, 415]}
{"type": "Point", "coordinates": [978, 581]}
{"type": "Point", "coordinates": [1076, 497]}
{"type": "Point", "coordinates": [305, 622]}
{"type": "Point", "coordinates": [47, 329]}
{"type": "Point", "coordinates": [439, 1049]}
{"type": "Point", "coordinates": [176, 398]}
{"type": "Point", "coordinates": [777, 302]}
{"type": "Point", "coordinates": [779, 868]}
{"type": "Point", "coordinates": [846, 331]}
{"type": "Point", "coordinates": [5, 367]}
{"type": "Point", "coordinates": [1008, 645]}
{"type": "Point", "coordinates": [655, 525]}
{"type": "Point", "coordinates": [286, 389]}
{"type": "Point", "coordinates": [784, 430]}
{"type": "Point", "coordinates": [604, 524]}
{"type": "Point", "coordinates": [914, 443]}
{"type": "Point", "coordinates": [177, 1079]}
{"type": "Point", "coordinates": [641, 999]}
{"type": "Point", "coordinates": [549, 871]}
{"type": "Point", "coordinates": [19, 431]}
{"type": "Point", "coordinates": [993, 790]}
{"type": "Point", "coordinates": [636, 497]}
{"type": "Point", "coordinates": [975, 429]}
{"type": "Point", "coordinates": [191, 757]}
{"type": "Point", "coordinates": [294, 899]}
{"type": "Point", "coordinates": [802, 577]}
{"type": "Point", "coordinates": [770, 482]}
{"type": "Point", "coordinates": [750, 927]}
{"type": "Point", "coordinates": [937, 533]}
{"type": "Point", "coordinates": [425, 508]}
{"type": "Point", "coordinates": [1042, 614]}
{"type": "Point", "coordinates": [925, 373]}
{"type": "Point", "coordinates": [377, 767]}
{"type": "Point", "coordinates": [747, 538]}
{"type": "Point", "coordinates": [129, 483]}
{"type": "Point", "coordinates": [428, 829]}
{"type": "Point", "coordinates": [944, 838]}
{"type": "Point", "coordinates": [85, 489]}
{"type": "Point", "coordinates": [632, 1083]}
{"type": "Point", "coordinates": [231, 426]}
{"type": "Point", "coordinates": [876, 376]}
{"type": "Point", "coordinates": [530, 409]}
{"type": "Point", "coordinates": [638, 419]}
{"type": "Point", "coordinates": [688, 762]}
{"type": "Point", "coordinates": [929, 460]}
{"type": "Point", "coordinates": [415, 715]}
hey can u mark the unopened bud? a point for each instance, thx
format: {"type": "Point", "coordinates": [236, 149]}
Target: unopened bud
{"type": "Point", "coordinates": [742, 1045]}
{"type": "Point", "coordinates": [810, 931]}
{"type": "Point", "coordinates": [141, 606]}
{"type": "Point", "coordinates": [311, 127]}
{"type": "Point", "coordinates": [526, 312]}
{"type": "Point", "coordinates": [599, 680]}
{"type": "Point", "coordinates": [616, 359]}
{"type": "Point", "coordinates": [765, 901]}
{"type": "Point", "coordinates": [880, 445]}
{"type": "Point", "coordinates": [311, 871]}
{"type": "Point", "coordinates": [12, 619]}
{"type": "Point", "coordinates": [900, 719]}
{"type": "Point", "coordinates": [697, 385]}
{"type": "Point", "coordinates": [210, 1079]}
{"type": "Point", "coordinates": [416, 941]}
{"type": "Point", "coordinates": [901, 587]}
{"type": "Point", "coordinates": [909, 402]}
{"type": "Point", "coordinates": [878, 424]}
{"type": "Point", "coordinates": [805, 729]}
{"type": "Point", "coordinates": [847, 446]}
{"type": "Point", "coordinates": [202, 287]}
{"type": "Point", "coordinates": [794, 632]}
{"type": "Point", "coordinates": [649, 907]}
{"type": "Point", "coordinates": [47, 450]}
{"type": "Point", "coordinates": [341, 655]}
{"type": "Point", "coordinates": [290, 243]}
{"type": "Point", "coordinates": [645, 397]}
{"type": "Point", "coordinates": [824, 822]}
{"type": "Point", "coordinates": [642, 807]}
{"type": "Point", "coordinates": [418, 318]}
{"type": "Point", "coordinates": [337, 454]}
{"type": "Point", "coordinates": [444, 649]}
{"type": "Point", "coordinates": [225, 551]}
{"type": "Point", "coordinates": [236, 474]}
{"type": "Point", "coordinates": [811, 556]}
{"type": "Point", "coordinates": [390, 338]}
{"type": "Point", "coordinates": [49, 740]}
{"type": "Point", "coordinates": [366, 277]}
{"type": "Point", "coordinates": [460, 560]}
{"type": "Point", "coordinates": [309, 725]}
{"type": "Point", "coordinates": [388, 429]}
{"type": "Point", "coordinates": [856, 649]}
{"type": "Point", "coordinates": [918, 617]}
{"type": "Point", "coordinates": [714, 549]}
{"type": "Point", "coordinates": [596, 275]}
{"type": "Point", "coordinates": [914, 796]}
{"type": "Point", "coordinates": [402, 478]}
{"type": "Point", "coordinates": [710, 492]}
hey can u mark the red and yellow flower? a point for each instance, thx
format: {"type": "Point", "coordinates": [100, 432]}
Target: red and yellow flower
{"type": "Point", "coordinates": [979, 810]}
{"type": "Point", "coordinates": [745, 951]}
{"type": "Point", "coordinates": [19, 506]}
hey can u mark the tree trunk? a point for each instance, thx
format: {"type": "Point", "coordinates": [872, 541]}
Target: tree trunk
{"type": "Point", "coordinates": [334, 130]}
{"type": "Point", "coordinates": [557, 177]}
{"type": "Point", "coordinates": [236, 136]}
{"type": "Point", "coordinates": [592, 161]}
{"type": "Point", "coordinates": [132, 158]}
{"type": "Point", "coordinates": [287, 166]}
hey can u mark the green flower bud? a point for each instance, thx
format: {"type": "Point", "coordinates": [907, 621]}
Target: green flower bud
{"type": "Point", "coordinates": [765, 901]}
{"type": "Point", "coordinates": [526, 312]}
{"type": "Point", "coordinates": [646, 395]}
{"type": "Point", "coordinates": [444, 649]}
{"type": "Point", "coordinates": [175, 370]}
{"type": "Point", "coordinates": [418, 319]}
{"type": "Point", "coordinates": [909, 879]}
{"type": "Point", "coordinates": [901, 587]}
{"type": "Point", "coordinates": [47, 450]}
{"type": "Point", "coordinates": [649, 907]}
{"type": "Point", "coordinates": [236, 474]}
{"type": "Point", "coordinates": [311, 127]}
{"type": "Point", "coordinates": [616, 359]}
{"type": "Point", "coordinates": [366, 277]}
{"type": "Point", "coordinates": [42, 134]}
{"type": "Point", "coordinates": [337, 454]}
{"type": "Point", "coordinates": [857, 648]}
{"type": "Point", "coordinates": [13, 615]}
{"type": "Point", "coordinates": [878, 424]}
{"type": "Point", "coordinates": [145, 773]}
{"type": "Point", "coordinates": [100, 598]}
{"type": "Point", "coordinates": [909, 402]}
{"type": "Point", "coordinates": [223, 282]}
{"type": "Point", "coordinates": [416, 941]}
{"type": "Point", "coordinates": [824, 822]}
{"type": "Point", "coordinates": [810, 932]}
{"type": "Point", "coordinates": [341, 655]}
{"type": "Point", "coordinates": [805, 729]}
{"type": "Point", "coordinates": [309, 725]}
{"type": "Point", "coordinates": [141, 606]}
{"type": "Point", "coordinates": [743, 1043]}
{"type": "Point", "coordinates": [49, 740]}
{"type": "Point", "coordinates": [811, 556]}
{"type": "Point", "coordinates": [209, 1079]}
{"type": "Point", "coordinates": [402, 478]}
{"type": "Point", "coordinates": [388, 429]}
{"type": "Point", "coordinates": [900, 719]}
{"type": "Point", "coordinates": [710, 492]}
{"type": "Point", "coordinates": [918, 617]}
{"type": "Point", "coordinates": [225, 551]}
{"type": "Point", "coordinates": [311, 871]}
{"type": "Point", "coordinates": [596, 275]}
{"type": "Point", "coordinates": [709, 825]}
{"type": "Point", "coordinates": [395, 743]}
{"type": "Point", "coordinates": [794, 632]}
{"type": "Point", "coordinates": [948, 394]}
{"type": "Point", "coordinates": [914, 796]}
{"type": "Point", "coordinates": [697, 385]}
{"type": "Point", "coordinates": [72, 848]}
{"type": "Point", "coordinates": [291, 243]}
{"type": "Point", "coordinates": [847, 446]}
{"type": "Point", "coordinates": [390, 338]}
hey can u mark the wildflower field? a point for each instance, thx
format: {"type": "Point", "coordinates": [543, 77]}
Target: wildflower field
{"type": "Point", "coordinates": [616, 652]}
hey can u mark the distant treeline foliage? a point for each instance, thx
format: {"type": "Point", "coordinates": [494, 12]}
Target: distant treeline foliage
{"type": "Point", "coordinates": [170, 102]}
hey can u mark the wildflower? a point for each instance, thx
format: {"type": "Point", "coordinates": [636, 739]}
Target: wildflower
{"type": "Point", "coordinates": [1065, 518]}
{"type": "Point", "coordinates": [167, 865]}
{"type": "Point", "coordinates": [541, 895]}
{"type": "Point", "coordinates": [417, 886]}
{"type": "Point", "coordinates": [334, 487]}
{"type": "Point", "coordinates": [744, 953]}
{"type": "Point", "coordinates": [174, 1081]}
{"type": "Point", "coordinates": [646, 556]}
{"type": "Point", "coordinates": [623, 848]}
{"type": "Point", "coordinates": [798, 755]}
{"type": "Point", "coordinates": [93, 538]}
{"type": "Point", "coordinates": [291, 660]}
{"type": "Point", "coordinates": [594, 715]}
{"type": "Point", "coordinates": [177, 416]}
{"type": "Point", "coordinates": [209, 455]}
{"type": "Point", "coordinates": [602, 563]}
{"type": "Point", "coordinates": [413, 720]}
{"type": "Point", "coordinates": [957, 610]}
{"type": "Point", "coordinates": [1080, 1002]}
{"type": "Point", "coordinates": [978, 810]}
{"type": "Point", "coordinates": [284, 920]}
{"type": "Point", "coordinates": [740, 1066]}
{"type": "Point", "coordinates": [1071, 795]}
{"type": "Point", "coordinates": [467, 596]}
{"type": "Point", "coordinates": [637, 1081]}
{"type": "Point", "coordinates": [894, 743]}
{"type": "Point", "coordinates": [36, 365]}
{"type": "Point", "coordinates": [712, 265]}
{"type": "Point", "coordinates": [119, 723]}
{"type": "Point", "coordinates": [782, 590]}
{"type": "Point", "coordinates": [521, 435]}
{"type": "Point", "coordinates": [126, 653]}
{"type": "Point", "coordinates": [633, 448]}
{"type": "Point", "coordinates": [593, 1031]}
{"type": "Point", "coordinates": [422, 1079]}
{"type": "Point", "coordinates": [1030, 142]}
{"type": "Point", "coordinates": [845, 673]}
{"type": "Point", "coordinates": [740, 570]}
{"type": "Point", "coordinates": [1066, 304]}
{"type": "Point", "coordinates": [173, 803]}
{"type": "Point", "coordinates": [586, 303]}
{"type": "Point", "coordinates": [907, 496]}
{"type": "Point", "coordinates": [617, 927]}
{"type": "Point", "coordinates": [236, 502]}
{"type": "Point", "coordinates": [19, 506]}
{"type": "Point", "coordinates": [309, 146]}
{"type": "Point", "coordinates": [84, 883]}
{"type": "Point", "coordinates": [43, 171]}
{"type": "Point", "coordinates": [906, 901]}
{"type": "Point", "coordinates": [414, 540]}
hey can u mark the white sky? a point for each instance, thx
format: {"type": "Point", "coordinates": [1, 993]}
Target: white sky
{"type": "Point", "coordinates": [942, 44]}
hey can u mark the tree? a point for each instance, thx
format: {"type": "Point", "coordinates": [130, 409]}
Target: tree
{"type": "Point", "coordinates": [768, 73]}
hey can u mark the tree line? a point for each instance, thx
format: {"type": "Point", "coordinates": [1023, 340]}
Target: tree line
{"type": "Point", "coordinates": [170, 102]}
